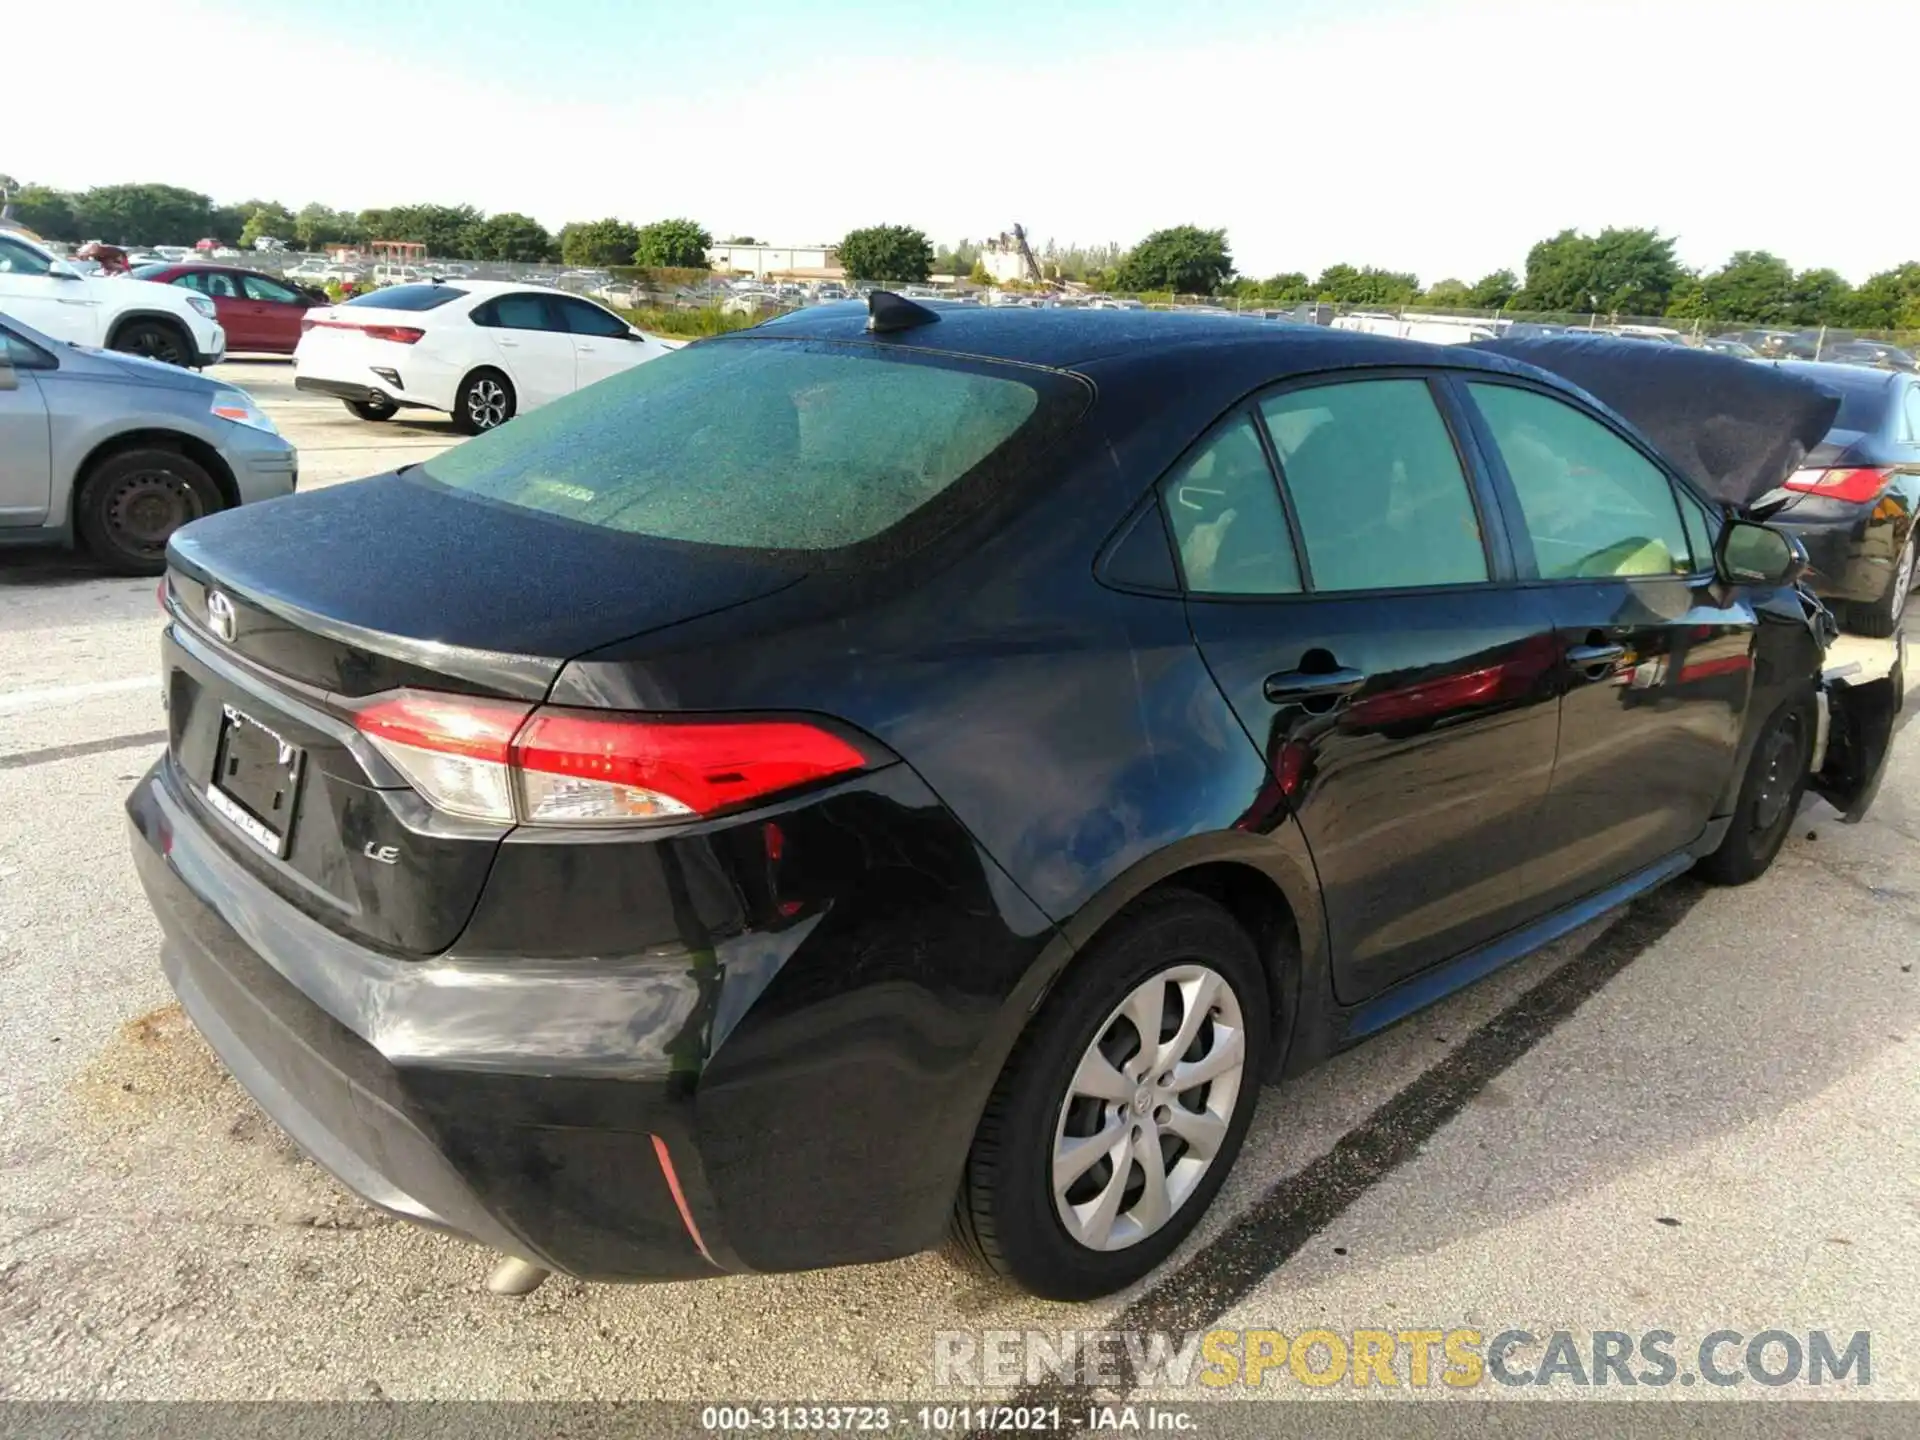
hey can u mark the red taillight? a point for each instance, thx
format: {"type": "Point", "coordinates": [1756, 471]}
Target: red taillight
{"type": "Point", "coordinates": [398, 334]}
{"type": "Point", "coordinates": [1857, 485]}
{"type": "Point", "coordinates": [498, 760]}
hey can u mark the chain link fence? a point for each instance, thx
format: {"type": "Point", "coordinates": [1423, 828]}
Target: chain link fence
{"type": "Point", "coordinates": [743, 300]}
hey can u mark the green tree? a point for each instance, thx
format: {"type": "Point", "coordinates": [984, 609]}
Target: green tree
{"type": "Point", "coordinates": [1183, 259]}
{"type": "Point", "coordinates": [443, 229]}
{"type": "Point", "coordinates": [269, 219]}
{"type": "Point", "coordinates": [672, 244]}
{"type": "Point", "coordinates": [144, 214]}
{"type": "Point", "coordinates": [1629, 272]}
{"type": "Point", "coordinates": [886, 252]}
{"type": "Point", "coordinates": [508, 236]}
{"type": "Point", "coordinates": [1454, 294]}
{"type": "Point", "coordinates": [980, 275]}
{"type": "Point", "coordinates": [598, 242]}
{"type": "Point", "coordinates": [316, 226]}
{"type": "Point", "coordinates": [49, 213]}
{"type": "Point", "coordinates": [1887, 301]}
{"type": "Point", "coordinates": [1820, 297]}
{"type": "Point", "coordinates": [1493, 291]}
{"type": "Point", "coordinates": [1753, 285]}
{"type": "Point", "coordinates": [1366, 285]}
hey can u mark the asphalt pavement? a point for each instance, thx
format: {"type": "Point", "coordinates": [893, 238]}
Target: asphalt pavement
{"type": "Point", "coordinates": [1692, 1116]}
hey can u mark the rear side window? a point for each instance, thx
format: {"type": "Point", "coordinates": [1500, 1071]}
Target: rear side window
{"type": "Point", "coordinates": [1913, 414]}
{"type": "Point", "coordinates": [1376, 486]}
{"type": "Point", "coordinates": [1594, 507]}
{"type": "Point", "coordinates": [1227, 519]}
{"type": "Point", "coordinates": [221, 286]}
{"type": "Point", "coordinates": [517, 312]}
{"type": "Point", "coordinates": [409, 297]}
{"type": "Point", "coordinates": [191, 280]}
{"type": "Point", "coordinates": [773, 445]}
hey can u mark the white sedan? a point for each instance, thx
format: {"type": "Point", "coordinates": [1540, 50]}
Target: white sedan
{"type": "Point", "coordinates": [483, 351]}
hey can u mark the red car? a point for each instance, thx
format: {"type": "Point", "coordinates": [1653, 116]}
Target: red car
{"type": "Point", "coordinates": [258, 312]}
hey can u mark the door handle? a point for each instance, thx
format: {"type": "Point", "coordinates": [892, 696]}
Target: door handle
{"type": "Point", "coordinates": [1291, 687]}
{"type": "Point", "coordinates": [508, 344]}
{"type": "Point", "coordinates": [1594, 657]}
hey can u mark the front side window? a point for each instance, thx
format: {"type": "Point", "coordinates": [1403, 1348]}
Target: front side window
{"type": "Point", "coordinates": [1227, 519]}
{"type": "Point", "coordinates": [23, 355]}
{"type": "Point", "coordinates": [772, 445]}
{"type": "Point", "coordinates": [1376, 486]}
{"type": "Point", "coordinates": [19, 259]}
{"type": "Point", "coordinates": [585, 319]}
{"type": "Point", "coordinates": [272, 292]}
{"type": "Point", "coordinates": [1594, 507]}
{"type": "Point", "coordinates": [1913, 414]}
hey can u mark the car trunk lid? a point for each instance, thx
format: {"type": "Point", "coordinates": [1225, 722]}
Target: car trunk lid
{"type": "Point", "coordinates": [287, 618]}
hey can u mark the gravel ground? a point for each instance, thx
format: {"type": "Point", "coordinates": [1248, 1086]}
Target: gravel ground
{"type": "Point", "coordinates": [1696, 1116]}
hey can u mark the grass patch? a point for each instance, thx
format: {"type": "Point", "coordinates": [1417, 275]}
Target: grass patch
{"type": "Point", "coordinates": [706, 320]}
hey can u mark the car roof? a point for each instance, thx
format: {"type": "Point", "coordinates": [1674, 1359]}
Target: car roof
{"type": "Point", "coordinates": [1064, 339]}
{"type": "Point", "coordinates": [1843, 377]}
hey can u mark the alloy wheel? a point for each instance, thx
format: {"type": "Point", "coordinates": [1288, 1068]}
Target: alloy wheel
{"type": "Point", "coordinates": [1148, 1108]}
{"type": "Point", "coordinates": [147, 506]}
{"type": "Point", "coordinates": [1903, 579]}
{"type": "Point", "coordinates": [486, 403]}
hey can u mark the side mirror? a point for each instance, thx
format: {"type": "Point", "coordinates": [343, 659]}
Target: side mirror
{"type": "Point", "coordinates": [8, 379]}
{"type": "Point", "coordinates": [1753, 554]}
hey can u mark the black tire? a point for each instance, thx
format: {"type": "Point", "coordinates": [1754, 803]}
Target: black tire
{"type": "Point", "coordinates": [371, 410]}
{"type": "Point", "coordinates": [1770, 795]}
{"type": "Point", "coordinates": [485, 402]}
{"type": "Point", "coordinates": [131, 502]}
{"type": "Point", "coordinates": [1880, 618]}
{"type": "Point", "coordinates": [1006, 1220]}
{"type": "Point", "coordinates": [155, 340]}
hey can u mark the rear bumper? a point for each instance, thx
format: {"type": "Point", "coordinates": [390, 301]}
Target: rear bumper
{"type": "Point", "coordinates": [813, 1068]}
{"type": "Point", "coordinates": [342, 390]}
{"type": "Point", "coordinates": [1852, 548]}
{"type": "Point", "coordinates": [559, 1169]}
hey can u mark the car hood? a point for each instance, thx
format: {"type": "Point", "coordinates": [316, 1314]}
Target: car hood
{"type": "Point", "coordinates": [1734, 428]}
{"type": "Point", "coordinates": [112, 365]}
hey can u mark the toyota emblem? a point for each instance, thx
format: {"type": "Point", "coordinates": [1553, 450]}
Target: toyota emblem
{"type": "Point", "coordinates": [220, 615]}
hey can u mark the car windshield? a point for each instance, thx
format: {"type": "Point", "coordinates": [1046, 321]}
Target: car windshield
{"type": "Point", "coordinates": [408, 297]}
{"type": "Point", "coordinates": [767, 445]}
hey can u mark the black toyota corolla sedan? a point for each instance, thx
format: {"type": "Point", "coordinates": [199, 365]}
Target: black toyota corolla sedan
{"type": "Point", "coordinates": [894, 774]}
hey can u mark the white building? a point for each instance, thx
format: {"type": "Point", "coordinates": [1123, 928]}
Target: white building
{"type": "Point", "coordinates": [781, 262]}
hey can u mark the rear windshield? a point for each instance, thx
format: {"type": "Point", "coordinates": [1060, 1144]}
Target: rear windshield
{"type": "Point", "coordinates": [408, 297]}
{"type": "Point", "coordinates": [772, 445]}
{"type": "Point", "coordinates": [1862, 407]}
{"type": "Point", "coordinates": [147, 272]}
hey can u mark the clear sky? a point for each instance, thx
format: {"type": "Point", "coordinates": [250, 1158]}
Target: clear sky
{"type": "Point", "coordinates": [1438, 136]}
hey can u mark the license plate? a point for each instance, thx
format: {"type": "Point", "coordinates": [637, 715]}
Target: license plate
{"type": "Point", "coordinates": [256, 777]}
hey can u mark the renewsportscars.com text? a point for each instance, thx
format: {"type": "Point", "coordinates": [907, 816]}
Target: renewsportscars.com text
{"type": "Point", "coordinates": [1458, 1359]}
